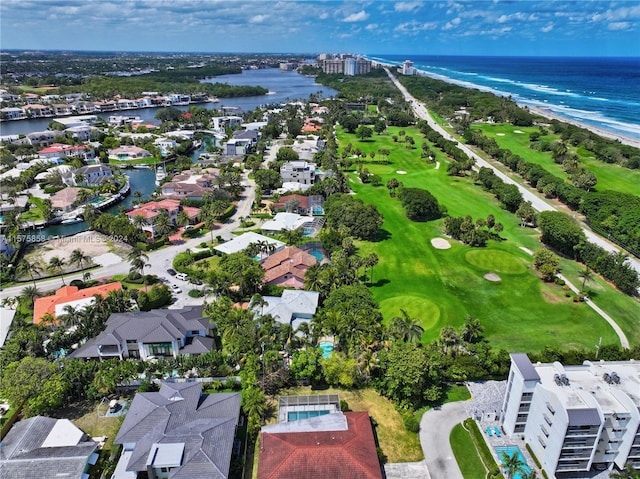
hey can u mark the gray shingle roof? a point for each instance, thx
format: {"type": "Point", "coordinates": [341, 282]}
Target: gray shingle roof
{"type": "Point", "coordinates": [180, 413]}
{"type": "Point", "coordinates": [24, 458]}
{"type": "Point", "coordinates": [156, 326]}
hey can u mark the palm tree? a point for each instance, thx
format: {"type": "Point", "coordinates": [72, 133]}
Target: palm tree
{"type": "Point", "coordinates": [471, 330]}
{"type": "Point", "coordinates": [587, 275]}
{"type": "Point", "coordinates": [30, 293]}
{"type": "Point", "coordinates": [83, 196]}
{"type": "Point", "coordinates": [512, 464]}
{"type": "Point", "coordinates": [138, 260]}
{"type": "Point", "coordinates": [182, 219]}
{"type": "Point", "coordinates": [258, 301]}
{"type": "Point", "coordinates": [162, 223]}
{"type": "Point", "coordinates": [627, 473]}
{"type": "Point", "coordinates": [406, 328]}
{"type": "Point", "coordinates": [56, 266]}
{"type": "Point", "coordinates": [31, 268]}
{"type": "Point", "coordinates": [369, 262]}
{"type": "Point", "coordinates": [139, 221]}
{"type": "Point", "coordinates": [89, 212]}
{"type": "Point", "coordinates": [449, 340]}
{"type": "Point", "coordinates": [78, 258]}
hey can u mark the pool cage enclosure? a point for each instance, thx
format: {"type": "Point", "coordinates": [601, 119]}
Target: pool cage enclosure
{"type": "Point", "coordinates": [315, 402]}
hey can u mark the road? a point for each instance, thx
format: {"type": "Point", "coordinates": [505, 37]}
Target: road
{"type": "Point", "coordinates": [538, 203]}
{"type": "Point", "coordinates": [160, 260]}
{"type": "Point", "coordinates": [435, 429]}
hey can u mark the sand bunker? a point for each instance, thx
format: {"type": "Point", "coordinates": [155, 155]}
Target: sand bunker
{"type": "Point", "coordinates": [518, 131]}
{"type": "Point", "coordinates": [440, 243]}
{"type": "Point", "coordinates": [499, 134]}
{"type": "Point", "coordinates": [437, 165]}
{"type": "Point", "coordinates": [492, 277]}
{"type": "Point", "coordinates": [401, 172]}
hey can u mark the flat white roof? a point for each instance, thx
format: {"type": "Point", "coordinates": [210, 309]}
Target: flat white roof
{"type": "Point", "coordinates": [241, 242]}
{"type": "Point", "coordinates": [166, 454]}
{"type": "Point", "coordinates": [286, 221]}
{"type": "Point", "coordinates": [77, 304]}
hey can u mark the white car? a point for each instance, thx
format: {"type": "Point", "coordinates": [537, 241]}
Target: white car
{"type": "Point", "coordinates": [175, 288]}
{"type": "Point", "coordinates": [182, 276]}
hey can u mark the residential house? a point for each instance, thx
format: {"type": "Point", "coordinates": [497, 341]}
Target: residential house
{"type": "Point", "coordinates": [18, 203]}
{"type": "Point", "coordinates": [31, 98]}
{"type": "Point", "coordinates": [190, 184]}
{"type": "Point", "coordinates": [38, 111]}
{"type": "Point", "coordinates": [144, 102]}
{"type": "Point", "coordinates": [82, 107]}
{"type": "Point", "coordinates": [59, 150]}
{"type": "Point", "coordinates": [298, 172]}
{"type": "Point", "coordinates": [179, 433]}
{"type": "Point", "coordinates": [121, 120]}
{"type": "Point", "coordinates": [577, 420]}
{"type": "Point", "coordinates": [165, 145]}
{"type": "Point", "coordinates": [303, 205]}
{"type": "Point", "coordinates": [126, 104]}
{"type": "Point", "coordinates": [91, 175]}
{"type": "Point", "coordinates": [8, 97]}
{"type": "Point", "coordinates": [105, 106]}
{"type": "Point", "coordinates": [285, 221]}
{"type": "Point", "coordinates": [6, 314]}
{"type": "Point", "coordinates": [12, 113]}
{"type": "Point", "coordinates": [72, 296]}
{"type": "Point", "coordinates": [62, 109]}
{"type": "Point", "coordinates": [314, 439]}
{"type": "Point", "coordinates": [240, 243]}
{"type": "Point", "coordinates": [149, 211]}
{"type": "Point", "coordinates": [46, 447]}
{"type": "Point", "coordinates": [65, 199]}
{"type": "Point", "coordinates": [81, 132]}
{"type": "Point", "coordinates": [151, 334]}
{"type": "Point", "coordinates": [124, 153]}
{"type": "Point", "coordinates": [293, 307]}
{"type": "Point", "coordinates": [220, 123]}
{"type": "Point", "coordinates": [78, 120]}
{"type": "Point", "coordinates": [43, 138]}
{"type": "Point", "coordinates": [287, 267]}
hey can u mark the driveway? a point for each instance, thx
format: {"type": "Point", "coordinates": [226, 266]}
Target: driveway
{"type": "Point", "coordinates": [435, 428]}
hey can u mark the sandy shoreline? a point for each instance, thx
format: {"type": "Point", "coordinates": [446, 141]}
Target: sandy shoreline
{"type": "Point", "coordinates": [545, 112]}
{"type": "Point", "coordinates": [598, 131]}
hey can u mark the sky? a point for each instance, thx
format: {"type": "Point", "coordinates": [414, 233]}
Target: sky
{"type": "Point", "coordinates": [448, 27]}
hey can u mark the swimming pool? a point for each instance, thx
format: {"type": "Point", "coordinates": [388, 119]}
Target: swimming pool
{"type": "Point", "coordinates": [510, 451]}
{"type": "Point", "coordinates": [317, 253]}
{"type": "Point", "coordinates": [295, 415]}
{"type": "Point", "coordinates": [327, 348]}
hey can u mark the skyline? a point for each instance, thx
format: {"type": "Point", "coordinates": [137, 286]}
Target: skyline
{"type": "Point", "coordinates": [383, 27]}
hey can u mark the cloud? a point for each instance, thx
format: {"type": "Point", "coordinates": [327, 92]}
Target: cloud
{"type": "Point", "coordinates": [547, 28]}
{"type": "Point", "coordinates": [361, 16]}
{"type": "Point", "coordinates": [371, 27]}
{"type": "Point", "coordinates": [414, 27]}
{"type": "Point", "coordinates": [258, 18]}
{"type": "Point", "coordinates": [323, 16]}
{"type": "Point", "coordinates": [452, 24]}
{"type": "Point", "coordinates": [617, 26]}
{"type": "Point", "coordinates": [407, 6]}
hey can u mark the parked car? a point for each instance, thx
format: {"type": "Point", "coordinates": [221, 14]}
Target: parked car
{"type": "Point", "coordinates": [172, 271]}
{"type": "Point", "coordinates": [182, 276]}
{"type": "Point", "coordinates": [175, 288]}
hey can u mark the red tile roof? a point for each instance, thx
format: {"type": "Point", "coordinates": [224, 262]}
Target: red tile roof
{"type": "Point", "coordinates": [61, 148]}
{"type": "Point", "coordinates": [349, 454]}
{"type": "Point", "coordinates": [290, 260]}
{"type": "Point", "coordinates": [303, 201]}
{"type": "Point", "coordinates": [67, 294]}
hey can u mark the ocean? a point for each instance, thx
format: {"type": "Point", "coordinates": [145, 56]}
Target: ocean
{"type": "Point", "coordinates": [601, 92]}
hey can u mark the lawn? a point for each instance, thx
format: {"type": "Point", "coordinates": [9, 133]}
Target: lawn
{"type": "Point", "coordinates": [470, 464]}
{"type": "Point", "coordinates": [610, 177]}
{"type": "Point", "coordinates": [396, 442]}
{"type": "Point", "coordinates": [441, 287]}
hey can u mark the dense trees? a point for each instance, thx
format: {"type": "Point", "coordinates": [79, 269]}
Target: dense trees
{"type": "Point", "coordinates": [560, 232]}
{"type": "Point", "coordinates": [361, 220]}
{"type": "Point", "coordinates": [420, 205]}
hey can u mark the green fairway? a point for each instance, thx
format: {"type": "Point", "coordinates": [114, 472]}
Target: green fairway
{"type": "Point", "coordinates": [610, 177]}
{"type": "Point", "coordinates": [441, 286]}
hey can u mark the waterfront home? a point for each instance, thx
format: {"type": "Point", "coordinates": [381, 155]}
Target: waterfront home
{"type": "Point", "coordinates": [178, 432]}
{"type": "Point", "coordinates": [38, 111]}
{"type": "Point", "coordinates": [220, 123]}
{"type": "Point", "coordinates": [42, 138]}
{"type": "Point", "coordinates": [78, 120]}
{"type": "Point", "coordinates": [116, 121]}
{"type": "Point", "coordinates": [127, 153]}
{"type": "Point", "coordinates": [12, 113]}
{"type": "Point", "coordinates": [62, 109]}
{"type": "Point", "coordinates": [105, 106]}
{"type": "Point", "coordinates": [159, 333]}
{"type": "Point", "coordinates": [240, 243]}
{"type": "Point", "coordinates": [65, 199]}
{"type": "Point", "coordinates": [72, 296]}
{"type": "Point", "coordinates": [81, 132]}
{"type": "Point", "coordinates": [149, 211]}
{"type": "Point", "coordinates": [287, 267]}
{"type": "Point", "coordinates": [190, 184]}
{"type": "Point", "coordinates": [46, 447]}
{"type": "Point", "coordinates": [82, 107]}
{"type": "Point", "coordinates": [6, 97]}
{"type": "Point", "coordinates": [165, 145]}
{"type": "Point", "coordinates": [18, 203]}
{"type": "Point", "coordinates": [31, 98]}
{"type": "Point", "coordinates": [91, 175]}
{"type": "Point", "coordinates": [60, 150]}
{"type": "Point", "coordinates": [292, 308]}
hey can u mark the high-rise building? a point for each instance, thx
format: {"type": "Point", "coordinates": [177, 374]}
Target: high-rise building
{"type": "Point", "coordinates": [350, 66]}
{"type": "Point", "coordinates": [575, 418]}
{"type": "Point", "coordinates": [407, 68]}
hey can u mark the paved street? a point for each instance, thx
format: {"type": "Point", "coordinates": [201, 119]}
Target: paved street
{"type": "Point", "coordinates": [435, 429]}
{"type": "Point", "coordinates": [537, 202]}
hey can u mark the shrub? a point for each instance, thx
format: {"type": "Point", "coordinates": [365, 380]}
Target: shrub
{"type": "Point", "coordinates": [77, 282]}
{"type": "Point", "coordinates": [344, 406]}
{"type": "Point", "coordinates": [195, 293]}
{"type": "Point", "coordinates": [411, 422]}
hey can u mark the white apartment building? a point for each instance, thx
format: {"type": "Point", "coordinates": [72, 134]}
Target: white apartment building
{"type": "Point", "coordinates": [575, 418]}
{"type": "Point", "coordinates": [407, 68]}
{"type": "Point", "coordinates": [298, 172]}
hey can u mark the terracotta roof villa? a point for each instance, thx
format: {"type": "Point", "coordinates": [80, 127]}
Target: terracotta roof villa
{"type": "Point", "coordinates": [326, 443]}
{"type": "Point", "coordinates": [46, 447]}
{"type": "Point", "coordinates": [287, 267]}
{"type": "Point", "coordinates": [179, 433]}
{"type": "Point", "coordinates": [72, 296]}
{"type": "Point", "coordinates": [152, 209]}
{"type": "Point", "coordinates": [128, 153]}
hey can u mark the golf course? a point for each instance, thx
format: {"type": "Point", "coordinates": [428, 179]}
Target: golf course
{"type": "Point", "coordinates": [441, 287]}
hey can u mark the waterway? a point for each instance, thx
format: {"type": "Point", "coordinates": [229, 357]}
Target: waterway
{"type": "Point", "coordinates": [283, 86]}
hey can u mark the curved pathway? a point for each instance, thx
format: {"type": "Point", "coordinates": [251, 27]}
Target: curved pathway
{"type": "Point", "coordinates": [435, 429]}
